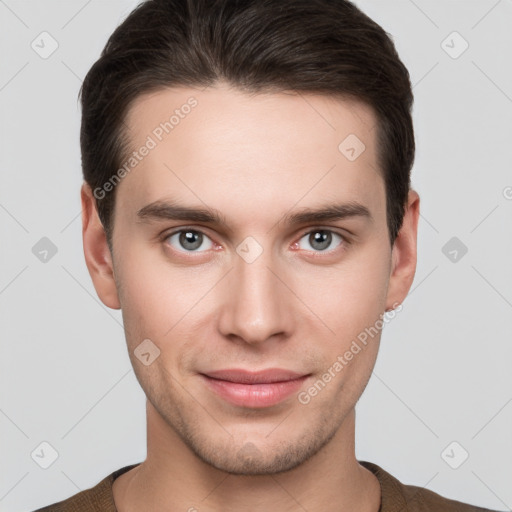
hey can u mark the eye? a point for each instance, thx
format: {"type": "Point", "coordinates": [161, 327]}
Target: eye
{"type": "Point", "coordinates": [189, 240]}
{"type": "Point", "coordinates": [320, 239]}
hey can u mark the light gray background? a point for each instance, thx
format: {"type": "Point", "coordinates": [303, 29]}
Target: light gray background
{"type": "Point", "coordinates": [443, 372]}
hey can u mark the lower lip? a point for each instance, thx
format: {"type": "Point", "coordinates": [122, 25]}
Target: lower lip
{"type": "Point", "coordinates": [254, 395]}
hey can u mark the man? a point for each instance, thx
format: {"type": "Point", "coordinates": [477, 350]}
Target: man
{"type": "Point", "coordinates": [247, 205]}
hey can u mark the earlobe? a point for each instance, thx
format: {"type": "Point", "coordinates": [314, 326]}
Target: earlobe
{"type": "Point", "coordinates": [404, 254]}
{"type": "Point", "coordinates": [96, 251]}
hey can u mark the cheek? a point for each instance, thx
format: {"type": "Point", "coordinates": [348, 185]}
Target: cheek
{"type": "Point", "coordinates": [144, 293]}
{"type": "Point", "coordinates": [158, 299]}
{"type": "Point", "coordinates": [350, 297]}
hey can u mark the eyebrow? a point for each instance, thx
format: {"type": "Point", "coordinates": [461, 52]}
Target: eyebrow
{"type": "Point", "coordinates": [168, 210]}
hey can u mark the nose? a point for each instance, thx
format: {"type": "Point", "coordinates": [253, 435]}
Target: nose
{"type": "Point", "coordinates": [257, 303]}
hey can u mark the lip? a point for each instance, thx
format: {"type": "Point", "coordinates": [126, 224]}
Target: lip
{"type": "Point", "coordinates": [254, 389]}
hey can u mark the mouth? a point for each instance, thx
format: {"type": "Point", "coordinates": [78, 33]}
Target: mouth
{"type": "Point", "coordinates": [254, 389]}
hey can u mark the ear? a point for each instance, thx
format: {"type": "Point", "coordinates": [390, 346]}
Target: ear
{"type": "Point", "coordinates": [404, 254]}
{"type": "Point", "coordinates": [96, 251]}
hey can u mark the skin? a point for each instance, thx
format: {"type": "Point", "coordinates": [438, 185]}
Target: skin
{"type": "Point", "coordinates": [255, 159]}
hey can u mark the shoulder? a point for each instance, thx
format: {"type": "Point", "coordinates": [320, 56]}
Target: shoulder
{"type": "Point", "coordinates": [396, 496]}
{"type": "Point", "coordinates": [420, 499]}
{"type": "Point", "coordinates": [97, 498]}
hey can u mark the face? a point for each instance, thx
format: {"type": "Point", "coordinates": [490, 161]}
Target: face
{"type": "Point", "coordinates": [248, 284]}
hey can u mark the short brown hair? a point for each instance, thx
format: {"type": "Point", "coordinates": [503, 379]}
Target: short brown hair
{"type": "Point", "coordinates": [328, 47]}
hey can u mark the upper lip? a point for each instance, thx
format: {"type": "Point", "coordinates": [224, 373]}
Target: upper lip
{"type": "Point", "coordinates": [260, 377]}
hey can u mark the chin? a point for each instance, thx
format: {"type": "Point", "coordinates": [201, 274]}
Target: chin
{"type": "Point", "coordinates": [260, 458]}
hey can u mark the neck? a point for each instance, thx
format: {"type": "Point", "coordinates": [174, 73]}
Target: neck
{"type": "Point", "coordinates": [173, 477]}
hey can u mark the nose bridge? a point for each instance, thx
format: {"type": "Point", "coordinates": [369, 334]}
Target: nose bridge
{"type": "Point", "coordinates": [255, 308]}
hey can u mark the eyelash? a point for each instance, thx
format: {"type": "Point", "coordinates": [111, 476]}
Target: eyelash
{"type": "Point", "coordinates": [315, 254]}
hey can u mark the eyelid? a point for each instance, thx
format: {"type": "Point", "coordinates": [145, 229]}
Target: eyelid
{"type": "Point", "coordinates": [167, 234]}
{"type": "Point", "coordinates": [314, 229]}
{"type": "Point", "coordinates": [304, 232]}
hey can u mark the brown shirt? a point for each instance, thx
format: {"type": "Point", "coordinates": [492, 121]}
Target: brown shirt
{"type": "Point", "coordinates": [395, 496]}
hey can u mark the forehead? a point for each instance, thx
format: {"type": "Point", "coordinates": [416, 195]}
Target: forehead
{"type": "Point", "coordinates": [229, 149]}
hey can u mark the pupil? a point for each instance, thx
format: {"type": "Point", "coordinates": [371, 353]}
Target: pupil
{"type": "Point", "coordinates": [323, 238]}
{"type": "Point", "coordinates": [190, 240]}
